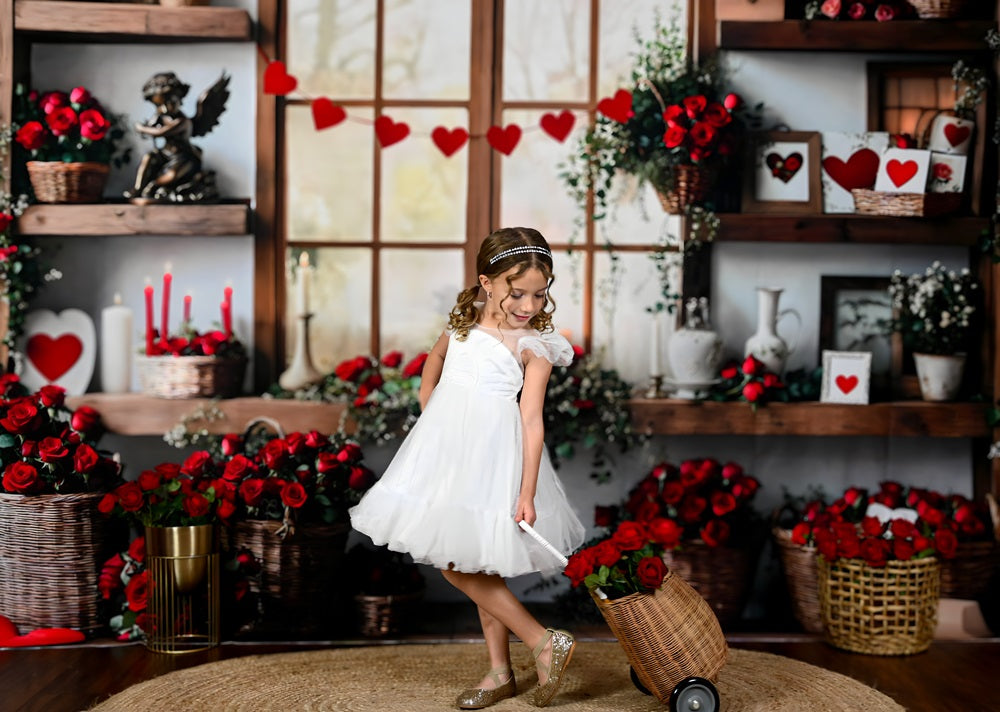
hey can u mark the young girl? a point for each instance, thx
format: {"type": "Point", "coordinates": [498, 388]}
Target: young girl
{"type": "Point", "coordinates": [474, 466]}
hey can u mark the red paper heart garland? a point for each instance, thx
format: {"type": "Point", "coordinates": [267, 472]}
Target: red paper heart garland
{"type": "Point", "coordinates": [449, 141]}
{"type": "Point", "coordinates": [617, 108]}
{"type": "Point", "coordinates": [54, 357]}
{"type": "Point", "coordinates": [326, 113]}
{"type": "Point", "coordinates": [504, 139]}
{"type": "Point", "coordinates": [558, 127]}
{"type": "Point", "coordinates": [389, 131]}
{"type": "Point", "coordinates": [846, 383]}
{"type": "Point", "coordinates": [900, 172]}
{"type": "Point", "coordinates": [277, 80]}
{"type": "Point", "coordinates": [858, 171]}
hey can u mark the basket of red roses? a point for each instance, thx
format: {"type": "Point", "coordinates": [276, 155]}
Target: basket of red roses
{"type": "Point", "coordinates": [193, 365]}
{"type": "Point", "coordinates": [52, 539]}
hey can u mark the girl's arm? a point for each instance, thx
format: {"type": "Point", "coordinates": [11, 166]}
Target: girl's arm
{"type": "Point", "coordinates": [431, 373]}
{"type": "Point", "coordinates": [536, 378]}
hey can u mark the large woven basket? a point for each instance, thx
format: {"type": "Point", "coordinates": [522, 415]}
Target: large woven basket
{"type": "Point", "coordinates": [934, 9]}
{"type": "Point", "coordinates": [928, 205]}
{"type": "Point", "coordinates": [691, 185]}
{"type": "Point", "coordinates": [300, 572]}
{"type": "Point", "coordinates": [879, 611]}
{"type": "Point", "coordinates": [668, 635]}
{"type": "Point", "coordinates": [190, 376]}
{"type": "Point", "coordinates": [799, 566]}
{"type": "Point", "coordinates": [58, 182]}
{"type": "Point", "coordinates": [379, 616]}
{"type": "Point", "coordinates": [721, 574]}
{"type": "Point", "coordinates": [51, 550]}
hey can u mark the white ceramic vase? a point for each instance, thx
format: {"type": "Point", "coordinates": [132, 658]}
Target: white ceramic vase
{"type": "Point", "coordinates": [940, 376]}
{"type": "Point", "coordinates": [766, 345]}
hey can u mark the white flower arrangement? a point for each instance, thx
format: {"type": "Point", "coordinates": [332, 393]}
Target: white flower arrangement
{"type": "Point", "coordinates": [933, 310]}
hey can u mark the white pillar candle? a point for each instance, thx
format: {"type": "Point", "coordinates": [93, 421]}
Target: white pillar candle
{"type": "Point", "coordinates": [654, 351]}
{"type": "Point", "coordinates": [116, 347]}
{"type": "Point", "coordinates": [303, 283]}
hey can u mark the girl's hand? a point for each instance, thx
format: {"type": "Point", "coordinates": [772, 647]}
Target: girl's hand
{"type": "Point", "coordinates": [525, 510]}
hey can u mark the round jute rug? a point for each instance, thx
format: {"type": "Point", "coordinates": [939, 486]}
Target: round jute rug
{"type": "Point", "coordinates": [415, 678]}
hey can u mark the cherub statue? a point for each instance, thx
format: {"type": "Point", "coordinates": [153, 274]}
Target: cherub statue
{"type": "Point", "coordinates": [172, 171]}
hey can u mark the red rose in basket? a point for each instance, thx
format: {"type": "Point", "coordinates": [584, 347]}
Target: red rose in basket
{"type": "Point", "coordinates": [629, 561]}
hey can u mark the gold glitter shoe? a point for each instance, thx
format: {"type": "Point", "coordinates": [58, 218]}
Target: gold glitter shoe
{"type": "Point", "coordinates": [476, 698]}
{"type": "Point", "coordinates": [562, 651]}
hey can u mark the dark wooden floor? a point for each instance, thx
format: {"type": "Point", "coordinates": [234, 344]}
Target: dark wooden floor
{"type": "Point", "coordinates": [963, 676]}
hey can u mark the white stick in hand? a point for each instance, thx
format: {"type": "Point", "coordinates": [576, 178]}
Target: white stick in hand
{"type": "Point", "coordinates": [541, 540]}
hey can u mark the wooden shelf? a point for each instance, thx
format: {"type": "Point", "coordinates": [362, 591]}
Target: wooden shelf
{"type": "Point", "coordinates": [745, 227]}
{"type": "Point", "coordinates": [58, 20]}
{"type": "Point", "coordinates": [825, 35]}
{"type": "Point", "coordinates": [903, 418]}
{"type": "Point", "coordinates": [139, 414]}
{"type": "Point", "coordinates": [127, 219]}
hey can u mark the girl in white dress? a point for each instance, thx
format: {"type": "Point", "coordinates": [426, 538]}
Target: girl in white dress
{"type": "Point", "coordinates": [474, 465]}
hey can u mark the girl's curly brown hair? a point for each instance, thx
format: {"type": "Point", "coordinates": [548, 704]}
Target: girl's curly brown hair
{"type": "Point", "coordinates": [466, 313]}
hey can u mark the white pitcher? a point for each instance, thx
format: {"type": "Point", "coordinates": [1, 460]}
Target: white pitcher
{"type": "Point", "coordinates": [769, 348]}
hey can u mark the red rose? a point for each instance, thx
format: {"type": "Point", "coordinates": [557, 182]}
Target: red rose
{"type": "Point", "coordinates": [646, 511]}
{"type": "Point", "coordinates": [715, 533]}
{"type": "Point", "coordinates": [80, 95]}
{"type": "Point", "coordinates": [751, 366]}
{"type": "Point", "coordinates": [85, 459]}
{"type": "Point", "coordinates": [884, 13]}
{"type": "Point", "coordinates": [922, 543]}
{"type": "Point", "coordinates": [93, 125]}
{"type": "Point", "coordinates": [606, 553]}
{"type": "Point", "coordinates": [650, 571]}
{"type": "Point", "coordinates": [294, 495]}
{"type": "Point", "coordinates": [196, 505]}
{"type": "Point", "coordinates": [827, 548]}
{"type": "Point", "coordinates": [392, 359]}
{"type": "Point", "coordinates": [772, 381]}
{"type": "Point", "coordinates": [21, 419]}
{"type": "Point", "coordinates": [107, 504]}
{"type": "Point", "coordinates": [361, 478]}
{"type": "Point", "coordinates": [316, 440]}
{"type": "Point", "coordinates": [148, 480]}
{"type": "Point", "coordinates": [50, 101]}
{"type": "Point", "coordinates": [252, 490]}
{"type": "Point", "coordinates": [674, 136]}
{"type": "Point", "coordinates": [729, 372]}
{"type": "Point", "coordinates": [5, 222]}
{"type": "Point", "coordinates": [716, 115]}
{"type": "Point", "coordinates": [275, 454]}
{"type": "Point", "coordinates": [691, 508]}
{"type": "Point", "coordinates": [168, 470]}
{"type": "Point", "coordinates": [874, 551]}
{"type": "Point", "coordinates": [52, 450]}
{"type": "Point", "coordinates": [849, 547]}
{"type": "Point", "coordinates": [946, 543]}
{"type": "Point", "coordinates": [856, 11]}
{"type": "Point", "coordinates": [85, 419]}
{"type": "Point", "coordinates": [238, 468]}
{"type": "Point", "coordinates": [722, 503]}
{"type": "Point", "coordinates": [673, 492]}
{"type": "Point", "coordinates": [22, 478]}
{"type": "Point", "coordinates": [31, 135]}
{"type": "Point", "coordinates": [415, 366]}
{"type": "Point", "coordinates": [753, 391]}
{"type": "Point", "coordinates": [61, 121]}
{"type": "Point", "coordinates": [326, 462]}
{"type": "Point", "coordinates": [699, 153]}
{"type": "Point", "coordinates": [703, 133]}
{"type": "Point", "coordinates": [352, 368]}
{"type": "Point", "coordinates": [732, 101]}
{"type": "Point", "coordinates": [902, 549]}
{"type": "Point", "coordinates": [674, 115]}
{"type": "Point", "coordinates": [231, 444]}
{"type": "Point", "coordinates": [902, 528]}
{"type": "Point", "coordinates": [136, 591]}
{"type": "Point", "coordinates": [226, 510]}
{"type": "Point", "coordinates": [578, 568]}
{"type": "Point", "coordinates": [630, 536]}
{"type": "Point", "coordinates": [130, 496]}
{"type": "Point", "coordinates": [800, 533]}
{"type": "Point", "coordinates": [694, 105]}
{"type": "Point", "coordinates": [745, 487]}
{"type": "Point", "coordinates": [110, 579]}
{"type": "Point", "coordinates": [830, 8]}
{"type": "Point", "coordinates": [351, 452]}
{"type": "Point", "coordinates": [50, 396]}
{"type": "Point", "coordinates": [666, 532]}
{"type": "Point", "coordinates": [871, 526]}
{"type": "Point", "coordinates": [196, 462]}
{"type": "Point", "coordinates": [137, 549]}
{"type": "Point", "coordinates": [604, 516]}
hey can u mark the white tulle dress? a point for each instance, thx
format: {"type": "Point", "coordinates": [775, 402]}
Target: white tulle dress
{"type": "Point", "coordinates": [448, 496]}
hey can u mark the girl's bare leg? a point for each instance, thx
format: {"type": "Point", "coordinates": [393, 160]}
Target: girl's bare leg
{"type": "Point", "coordinates": [497, 645]}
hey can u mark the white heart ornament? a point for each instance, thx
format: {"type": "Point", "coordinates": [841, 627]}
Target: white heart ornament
{"type": "Point", "coordinates": [58, 349]}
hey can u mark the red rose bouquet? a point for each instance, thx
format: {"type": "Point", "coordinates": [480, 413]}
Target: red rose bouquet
{"type": "Point", "coordinates": [629, 561]}
{"type": "Point", "coordinates": [46, 448]}
{"type": "Point", "coordinates": [748, 381]}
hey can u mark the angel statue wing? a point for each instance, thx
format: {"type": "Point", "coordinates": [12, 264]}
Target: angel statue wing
{"type": "Point", "coordinates": [211, 104]}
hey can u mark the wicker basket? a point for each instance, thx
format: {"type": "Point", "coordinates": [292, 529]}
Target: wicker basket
{"type": "Point", "coordinates": [299, 571]}
{"type": "Point", "coordinates": [879, 611]}
{"type": "Point", "coordinates": [935, 9]}
{"type": "Point", "coordinates": [58, 182]}
{"type": "Point", "coordinates": [379, 616]}
{"type": "Point", "coordinates": [927, 205]}
{"type": "Point", "coordinates": [51, 550]}
{"type": "Point", "coordinates": [799, 565]}
{"type": "Point", "coordinates": [691, 185]}
{"type": "Point", "coordinates": [668, 635]}
{"type": "Point", "coordinates": [190, 376]}
{"type": "Point", "coordinates": [721, 574]}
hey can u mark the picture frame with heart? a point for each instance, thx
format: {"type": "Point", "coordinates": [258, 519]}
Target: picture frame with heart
{"type": "Point", "coordinates": [846, 377]}
{"type": "Point", "coordinates": [782, 173]}
{"type": "Point", "coordinates": [849, 160]}
{"type": "Point", "coordinates": [903, 170]}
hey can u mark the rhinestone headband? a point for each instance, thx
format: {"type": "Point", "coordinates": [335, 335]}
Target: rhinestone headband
{"type": "Point", "coordinates": [519, 250]}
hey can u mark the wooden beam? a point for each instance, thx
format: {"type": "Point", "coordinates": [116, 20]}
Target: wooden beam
{"type": "Point", "coordinates": [742, 227]}
{"type": "Point", "coordinates": [823, 35]}
{"type": "Point", "coordinates": [127, 219]}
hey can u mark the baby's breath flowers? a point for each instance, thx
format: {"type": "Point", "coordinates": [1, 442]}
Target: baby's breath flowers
{"type": "Point", "coordinates": [932, 311]}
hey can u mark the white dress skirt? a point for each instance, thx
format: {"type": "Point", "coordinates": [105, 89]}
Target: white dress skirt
{"type": "Point", "coordinates": [449, 495]}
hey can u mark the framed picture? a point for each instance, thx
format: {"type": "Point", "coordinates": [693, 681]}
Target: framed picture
{"type": "Point", "coordinates": [783, 173]}
{"type": "Point", "coordinates": [850, 160]}
{"type": "Point", "coordinates": [852, 311]}
{"type": "Point", "coordinates": [846, 377]}
{"type": "Point", "coordinates": [903, 170]}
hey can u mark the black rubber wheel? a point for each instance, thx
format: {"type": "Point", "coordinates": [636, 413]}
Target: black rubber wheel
{"type": "Point", "coordinates": [635, 681]}
{"type": "Point", "coordinates": [695, 694]}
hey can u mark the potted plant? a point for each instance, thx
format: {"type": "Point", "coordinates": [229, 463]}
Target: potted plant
{"type": "Point", "coordinates": [933, 313]}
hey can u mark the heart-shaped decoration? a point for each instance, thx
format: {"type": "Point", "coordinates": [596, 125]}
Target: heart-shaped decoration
{"type": "Point", "coordinates": [956, 134]}
{"type": "Point", "coordinates": [784, 168]}
{"type": "Point", "coordinates": [617, 108]}
{"type": "Point", "coordinates": [846, 384]}
{"type": "Point", "coordinates": [59, 348]}
{"type": "Point", "coordinates": [858, 171]}
{"type": "Point", "coordinates": [389, 131]}
{"type": "Point", "coordinates": [326, 113]}
{"type": "Point", "coordinates": [277, 80]}
{"type": "Point", "coordinates": [558, 127]}
{"type": "Point", "coordinates": [448, 142]}
{"type": "Point", "coordinates": [9, 637]}
{"type": "Point", "coordinates": [53, 357]}
{"type": "Point", "coordinates": [504, 139]}
{"type": "Point", "coordinates": [901, 171]}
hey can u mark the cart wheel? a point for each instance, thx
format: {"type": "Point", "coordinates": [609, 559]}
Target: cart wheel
{"type": "Point", "coordinates": [695, 694]}
{"type": "Point", "coordinates": [635, 681]}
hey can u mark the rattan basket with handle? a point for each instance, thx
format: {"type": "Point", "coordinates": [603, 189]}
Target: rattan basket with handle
{"type": "Point", "coordinates": [668, 635]}
{"type": "Point", "coordinates": [58, 182]}
{"type": "Point", "coordinates": [379, 616]}
{"type": "Point", "coordinates": [799, 566]}
{"type": "Point", "coordinates": [191, 376]}
{"type": "Point", "coordinates": [967, 575]}
{"type": "Point", "coordinates": [927, 205]}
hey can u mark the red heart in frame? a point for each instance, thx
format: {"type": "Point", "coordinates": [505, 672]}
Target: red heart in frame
{"type": "Point", "coordinates": [846, 383]}
{"type": "Point", "coordinates": [901, 171]}
{"type": "Point", "coordinates": [54, 357]}
{"type": "Point", "coordinates": [558, 127]}
{"type": "Point", "coordinates": [784, 168]}
{"type": "Point", "coordinates": [277, 80]}
{"type": "Point", "coordinates": [326, 113]}
{"type": "Point", "coordinates": [858, 171]}
{"type": "Point", "coordinates": [617, 108]}
{"type": "Point", "coordinates": [389, 131]}
{"type": "Point", "coordinates": [448, 142]}
{"type": "Point", "coordinates": [956, 134]}
{"type": "Point", "coordinates": [504, 139]}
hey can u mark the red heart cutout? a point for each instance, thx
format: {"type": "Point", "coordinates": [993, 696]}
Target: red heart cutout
{"type": "Point", "coordinates": [956, 134]}
{"type": "Point", "coordinates": [448, 142]}
{"type": "Point", "coordinates": [45, 636]}
{"type": "Point", "coordinates": [389, 131]}
{"type": "Point", "coordinates": [846, 383]}
{"type": "Point", "coordinates": [558, 127]}
{"type": "Point", "coordinates": [7, 629]}
{"type": "Point", "coordinates": [504, 139]}
{"type": "Point", "coordinates": [326, 113]}
{"type": "Point", "coordinates": [859, 171]}
{"type": "Point", "coordinates": [900, 172]}
{"type": "Point", "coordinates": [618, 108]}
{"type": "Point", "coordinates": [53, 357]}
{"type": "Point", "coordinates": [277, 80]}
{"type": "Point", "coordinates": [784, 168]}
